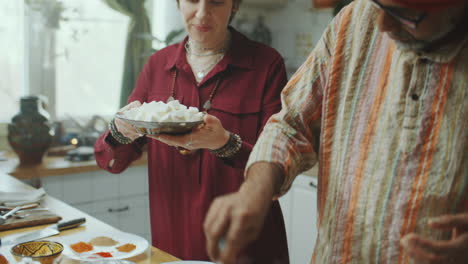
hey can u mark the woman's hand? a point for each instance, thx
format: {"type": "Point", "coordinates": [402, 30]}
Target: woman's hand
{"type": "Point", "coordinates": [125, 128]}
{"type": "Point", "coordinates": [452, 251]}
{"type": "Point", "coordinates": [210, 135]}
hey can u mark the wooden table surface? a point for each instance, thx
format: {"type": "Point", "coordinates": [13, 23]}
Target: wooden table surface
{"type": "Point", "coordinates": [10, 184]}
{"type": "Point", "coordinates": [52, 166]}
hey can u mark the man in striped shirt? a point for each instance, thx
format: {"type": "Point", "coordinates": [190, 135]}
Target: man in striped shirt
{"type": "Point", "coordinates": [382, 105]}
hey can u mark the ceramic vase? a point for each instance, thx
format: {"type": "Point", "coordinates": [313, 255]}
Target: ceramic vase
{"type": "Point", "coordinates": [29, 132]}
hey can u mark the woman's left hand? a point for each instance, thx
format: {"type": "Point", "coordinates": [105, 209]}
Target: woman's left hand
{"type": "Point", "coordinates": [452, 251]}
{"type": "Point", "coordinates": [210, 135]}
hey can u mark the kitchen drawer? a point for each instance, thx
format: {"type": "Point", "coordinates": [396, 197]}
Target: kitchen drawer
{"type": "Point", "coordinates": [107, 211]}
{"type": "Point", "coordinates": [105, 185]}
{"type": "Point", "coordinates": [129, 214]}
{"type": "Point", "coordinates": [134, 181]}
{"type": "Point", "coordinates": [77, 188]}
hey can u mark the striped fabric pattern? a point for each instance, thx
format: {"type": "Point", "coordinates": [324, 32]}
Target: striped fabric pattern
{"type": "Point", "coordinates": [393, 138]}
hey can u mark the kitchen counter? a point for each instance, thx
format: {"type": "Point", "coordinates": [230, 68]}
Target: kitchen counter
{"type": "Point", "coordinates": [52, 166]}
{"type": "Point", "coordinates": [8, 183]}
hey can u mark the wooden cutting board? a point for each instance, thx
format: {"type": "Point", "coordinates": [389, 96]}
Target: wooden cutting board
{"type": "Point", "coordinates": [40, 218]}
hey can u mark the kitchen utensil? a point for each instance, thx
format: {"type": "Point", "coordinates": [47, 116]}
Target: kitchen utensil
{"type": "Point", "coordinates": [46, 232]}
{"type": "Point", "coordinates": [27, 211]}
{"type": "Point", "coordinates": [22, 216]}
{"type": "Point", "coordinates": [24, 207]}
{"type": "Point", "coordinates": [4, 217]}
{"type": "Point", "coordinates": [43, 251]}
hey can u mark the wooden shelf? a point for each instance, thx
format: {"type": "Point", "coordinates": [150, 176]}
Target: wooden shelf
{"type": "Point", "coordinates": [53, 166]}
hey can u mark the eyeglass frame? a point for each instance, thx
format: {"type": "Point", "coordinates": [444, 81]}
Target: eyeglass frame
{"type": "Point", "coordinates": [411, 23]}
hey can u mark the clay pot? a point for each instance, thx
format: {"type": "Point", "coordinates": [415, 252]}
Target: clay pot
{"type": "Point", "coordinates": [29, 132]}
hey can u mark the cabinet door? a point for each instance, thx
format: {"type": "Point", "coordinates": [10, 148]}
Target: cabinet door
{"type": "Point", "coordinates": [303, 220]}
{"type": "Point", "coordinates": [134, 218]}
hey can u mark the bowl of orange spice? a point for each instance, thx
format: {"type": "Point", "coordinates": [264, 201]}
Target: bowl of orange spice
{"type": "Point", "coordinates": [81, 247]}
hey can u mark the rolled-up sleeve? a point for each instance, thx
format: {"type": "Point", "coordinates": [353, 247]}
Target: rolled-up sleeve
{"type": "Point", "coordinates": [290, 138]}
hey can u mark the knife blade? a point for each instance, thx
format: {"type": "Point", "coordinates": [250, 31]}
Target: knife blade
{"type": "Point", "coordinates": [38, 234]}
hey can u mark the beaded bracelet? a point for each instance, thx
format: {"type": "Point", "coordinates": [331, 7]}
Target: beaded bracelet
{"type": "Point", "coordinates": [117, 135]}
{"type": "Point", "coordinates": [230, 149]}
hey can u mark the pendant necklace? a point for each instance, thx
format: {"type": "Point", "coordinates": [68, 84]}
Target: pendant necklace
{"type": "Point", "coordinates": [207, 105]}
{"type": "Point", "coordinates": [201, 73]}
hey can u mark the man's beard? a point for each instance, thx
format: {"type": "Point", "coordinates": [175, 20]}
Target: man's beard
{"type": "Point", "coordinates": [413, 44]}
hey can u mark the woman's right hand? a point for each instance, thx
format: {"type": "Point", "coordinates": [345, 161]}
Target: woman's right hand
{"type": "Point", "coordinates": [125, 128]}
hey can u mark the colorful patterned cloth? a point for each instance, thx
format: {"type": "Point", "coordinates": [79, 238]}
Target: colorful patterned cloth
{"type": "Point", "coordinates": [389, 130]}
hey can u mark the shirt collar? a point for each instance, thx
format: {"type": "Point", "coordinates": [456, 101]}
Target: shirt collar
{"type": "Point", "coordinates": [236, 56]}
{"type": "Point", "coordinates": [444, 54]}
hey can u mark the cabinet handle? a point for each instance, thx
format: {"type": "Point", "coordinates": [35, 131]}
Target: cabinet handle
{"type": "Point", "coordinates": [313, 185]}
{"type": "Point", "coordinates": [117, 210]}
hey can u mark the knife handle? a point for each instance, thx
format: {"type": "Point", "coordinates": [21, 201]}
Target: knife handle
{"type": "Point", "coordinates": [70, 224]}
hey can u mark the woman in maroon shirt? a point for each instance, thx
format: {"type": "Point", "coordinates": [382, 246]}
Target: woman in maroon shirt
{"type": "Point", "coordinates": [238, 82]}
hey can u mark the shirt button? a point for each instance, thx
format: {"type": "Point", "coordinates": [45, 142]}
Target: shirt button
{"type": "Point", "coordinates": [415, 97]}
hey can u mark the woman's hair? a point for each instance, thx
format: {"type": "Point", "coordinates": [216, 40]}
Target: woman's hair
{"type": "Point", "coordinates": [235, 3]}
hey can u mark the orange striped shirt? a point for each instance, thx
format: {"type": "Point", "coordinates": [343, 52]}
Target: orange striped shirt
{"type": "Point", "coordinates": [393, 139]}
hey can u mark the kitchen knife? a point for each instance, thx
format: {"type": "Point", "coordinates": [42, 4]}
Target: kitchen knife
{"type": "Point", "coordinates": [38, 234]}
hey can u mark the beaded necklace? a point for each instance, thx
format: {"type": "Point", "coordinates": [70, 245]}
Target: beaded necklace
{"type": "Point", "coordinates": [207, 104]}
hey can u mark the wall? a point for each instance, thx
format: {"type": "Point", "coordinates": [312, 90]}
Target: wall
{"type": "Point", "coordinates": [296, 27]}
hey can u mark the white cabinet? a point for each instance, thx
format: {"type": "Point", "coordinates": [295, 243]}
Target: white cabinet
{"type": "Point", "coordinates": [120, 200]}
{"type": "Point", "coordinates": [299, 207]}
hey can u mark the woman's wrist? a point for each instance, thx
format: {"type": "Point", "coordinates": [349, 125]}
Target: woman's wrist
{"type": "Point", "coordinates": [230, 149]}
{"type": "Point", "coordinates": [119, 137]}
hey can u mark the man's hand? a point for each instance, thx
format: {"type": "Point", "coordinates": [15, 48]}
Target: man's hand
{"type": "Point", "coordinates": [455, 251]}
{"type": "Point", "coordinates": [235, 220]}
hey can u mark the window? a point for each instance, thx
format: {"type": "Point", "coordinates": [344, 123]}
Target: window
{"type": "Point", "coordinates": [71, 51]}
{"type": "Point", "coordinates": [11, 58]}
{"type": "Point", "coordinates": [89, 57]}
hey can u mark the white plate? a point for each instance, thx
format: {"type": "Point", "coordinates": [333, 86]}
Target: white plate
{"type": "Point", "coordinates": [189, 262]}
{"type": "Point", "coordinates": [121, 237]}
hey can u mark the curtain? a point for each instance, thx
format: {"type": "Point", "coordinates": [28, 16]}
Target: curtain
{"type": "Point", "coordinates": [137, 44]}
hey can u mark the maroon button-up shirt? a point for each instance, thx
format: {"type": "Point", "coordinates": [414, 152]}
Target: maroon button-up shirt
{"type": "Point", "coordinates": [181, 188]}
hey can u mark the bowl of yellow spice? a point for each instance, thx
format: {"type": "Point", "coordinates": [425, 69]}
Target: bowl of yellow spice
{"type": "Point", "coordinates": [42, 251]}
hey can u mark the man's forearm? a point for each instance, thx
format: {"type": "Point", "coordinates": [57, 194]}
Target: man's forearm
{"type": "Point", "coordinates": [265, 178]}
